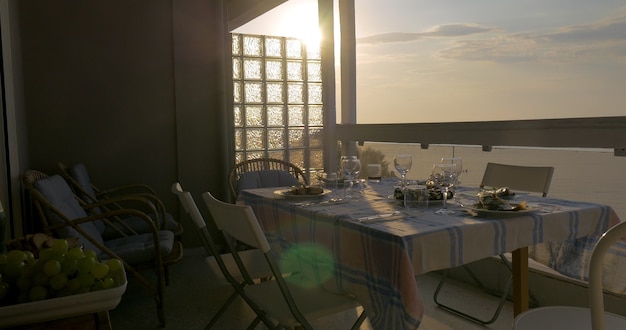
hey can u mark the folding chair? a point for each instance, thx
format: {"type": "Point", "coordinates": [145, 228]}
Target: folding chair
{"type": "Point", "coordinates": [534, 179]}
{"type": "Point", "coordinates": [225, 266]}
{"type": "Point", "coordinates": [571, 317]}
{"type": "Point", "coordinates": [292, 305]}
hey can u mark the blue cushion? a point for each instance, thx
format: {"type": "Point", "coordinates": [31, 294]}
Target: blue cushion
{"type": "Point", "coordinates": [79, 173]}
{"type": "Point", "coordinates": [266, 179]}
{"type": "Point", "coordinates": [59, 194]}
{"type": "Point", "coordinates": [140, 248]}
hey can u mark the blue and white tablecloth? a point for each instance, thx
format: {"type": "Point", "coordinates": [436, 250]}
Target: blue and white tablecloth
{"type": "Point", "coordinates": [377, 260]}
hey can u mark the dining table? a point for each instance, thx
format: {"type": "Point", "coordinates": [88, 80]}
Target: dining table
{"type": "Point", "coordinates": [372, 247]}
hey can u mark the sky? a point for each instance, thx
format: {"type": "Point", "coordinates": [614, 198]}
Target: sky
{"type": "Point", "coordinates": [459, 60]}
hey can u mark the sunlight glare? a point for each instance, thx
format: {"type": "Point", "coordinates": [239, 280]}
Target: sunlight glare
{"type": "Point", "coordinates": [301, 23]}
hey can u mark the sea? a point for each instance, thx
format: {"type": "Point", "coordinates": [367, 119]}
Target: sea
{"type": "Point", "coordinates": [590, 175]}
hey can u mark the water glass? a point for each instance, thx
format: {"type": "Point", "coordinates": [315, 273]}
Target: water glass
{"type": "Point", "coordinates": [374, 172]}
{"type": "Point", "coordinates": [416, 197]}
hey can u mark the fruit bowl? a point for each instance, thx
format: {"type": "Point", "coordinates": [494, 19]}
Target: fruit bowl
{"type": "Point", "coordinates": [63, 307]}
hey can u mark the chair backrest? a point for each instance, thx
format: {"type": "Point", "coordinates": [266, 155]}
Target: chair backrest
{"type": "Point", "coordinates": [596, 264]}
{"type": "Point", "coordinates": [238, 221]}
{"type": "Point", "coordinates": [517, 177]}
{"type": "Point", "coordinates": [57, 206]}
{"type": "Point", "coordinates": [264, 172]}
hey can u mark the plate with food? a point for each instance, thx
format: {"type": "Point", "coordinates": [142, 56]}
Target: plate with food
{"type": "Point", "coordinates": [488, 207]}
{"type": "Point", "coordinates": [302, 192]}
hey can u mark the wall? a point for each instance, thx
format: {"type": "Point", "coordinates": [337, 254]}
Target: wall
{"type": "Point", "coordinates": [130, 88]}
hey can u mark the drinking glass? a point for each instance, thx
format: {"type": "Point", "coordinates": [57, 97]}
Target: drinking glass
{"type": "Point", "coordinates": [443, 176]}
{"type": "Point", "coordinates": [350, 168]}
{"type": "Point", "coordinates": [459, 169]}
{"type": "Point", "coordinates": [403, 164]}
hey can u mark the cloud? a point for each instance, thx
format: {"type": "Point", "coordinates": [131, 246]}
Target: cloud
{"type": "Point", "coordinates": [449, 30]}
{"type": "Point", "coordinates": [606, 38]}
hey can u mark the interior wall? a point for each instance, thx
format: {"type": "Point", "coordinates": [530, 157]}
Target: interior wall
{"type": "Point", "coordinates": [126, 87]}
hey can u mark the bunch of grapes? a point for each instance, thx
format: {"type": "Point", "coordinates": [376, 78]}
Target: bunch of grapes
{"type": "Point", "coordinates": [59, 271]}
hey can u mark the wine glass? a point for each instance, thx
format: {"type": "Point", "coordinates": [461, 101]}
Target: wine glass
{"type": "Point", "coordinates": [459, 169]}
{"type": "Point", "coordinates": [403, 164]}
{"type": "Point", "coordinates": [350, 168]}
{"type": "Point", "coordinates": [444, 176]}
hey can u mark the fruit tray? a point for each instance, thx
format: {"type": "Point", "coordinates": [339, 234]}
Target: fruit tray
{"type": "Point", "coordinates": [63, 307]}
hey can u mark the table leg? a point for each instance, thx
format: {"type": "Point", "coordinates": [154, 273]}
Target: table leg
{"type": "Point", "coordinates": [520, 280]}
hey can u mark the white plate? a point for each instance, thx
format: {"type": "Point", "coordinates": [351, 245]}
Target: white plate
{"type": "Point", "coordinates": [500, 214]}
{"type": "Point", "coordinates": [286, 193]}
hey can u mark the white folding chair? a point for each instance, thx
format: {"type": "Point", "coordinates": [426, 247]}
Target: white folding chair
{"type": "Point", "coordinates": [224, 266]}
{"type": "Point", "coordinates": [534, 179]}
{"type": "Point", "coordinates": [573, 318]}
{"type": "Point", "coordinates": [290, 304]}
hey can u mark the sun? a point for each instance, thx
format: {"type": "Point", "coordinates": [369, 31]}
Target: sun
{"type": "Point", "coordinates": [301, 22]}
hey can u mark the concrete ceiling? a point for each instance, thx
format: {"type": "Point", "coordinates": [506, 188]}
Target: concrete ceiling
{"type": "Point", "coordinates": [241, 12]}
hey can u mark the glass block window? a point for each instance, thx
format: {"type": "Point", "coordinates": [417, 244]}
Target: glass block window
{"type": "Point", "coordinates": [278, 110]}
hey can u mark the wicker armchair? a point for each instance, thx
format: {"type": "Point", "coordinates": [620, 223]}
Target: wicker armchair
{"type": "Point", "coordinates": [87, 193]}
{"type": "Point", "coordinates": [264, 172]}
{"type": "Point", "coordinates": [62, 216]}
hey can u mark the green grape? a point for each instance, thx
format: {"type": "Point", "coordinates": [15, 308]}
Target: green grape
{"type": "Point", "coordinates": [28, 270]}
{"type": "Point", "coordinates": [46, 254]}
{"type": "Point", "coordinates": [91, 253]}
{"type": "Point", "coordinates": [13, 268]}
{"type": "Point", "coordinates": [38, 292]}
{"type": "Point", "coordinates": [24, 283]}
{"type": "Point", "coordinates": [4, 290]}
{"type": "Point", "coordinates": [114, 265]}
{"type": "Point", "coordinates": [86, 280]}
{"type": "Point", "coordinates": [15, 256]}
{"type": "Point", "coordinates": [3, 259]}
{"type": "Point", "coordinates": [75, 253]}
{"type": "Point", "coordinates": [59, 246]}
{"type": "Point", "coordinates": [30, 257]}
{"type": "Point", "coordinates": [86, 264]}
{"type": "Point", "coordinates": [41, 279]}
{"type": "Point", "coordinates": [73, 284]}
{"type": "Point", "coordinates": [100, 270]}
{"type": "Point", "coordinates": [69, 266]}
{"type": "Point", "coordinates": [108, 282]}
{"type": "Point", "coordinates": [58, 281]}
{"type": "Point", "coordinates": [52, 267]}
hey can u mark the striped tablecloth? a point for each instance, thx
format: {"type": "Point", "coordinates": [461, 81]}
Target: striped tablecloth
{"type": "Point", "coordinates": [377, 259]}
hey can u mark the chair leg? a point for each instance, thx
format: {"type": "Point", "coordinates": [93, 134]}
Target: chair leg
{"type": "Point", "coordinates": [503, 296]}
{"type": "Point", "coordinates": [221, 311]}
{"type": "Point", "coordinates": [359, 321]}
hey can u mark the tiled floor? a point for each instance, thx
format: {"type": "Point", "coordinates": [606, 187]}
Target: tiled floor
{"type": "Point", "coordinates": [192, 298]}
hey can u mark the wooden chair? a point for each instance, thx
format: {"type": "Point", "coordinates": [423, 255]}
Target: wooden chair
{"type": "Point", "coordinates": [78, 178]}
{"type": "Point", "coordinates": [264, 172]}
{"type": "Point", "coordinates": [62, 215]}
{"type": "Point", "coordinates": [289, 302]}
{"type": "Point", "coordinates": [534, 179]}
{"type": "Point", "coordinates": [573, 318]}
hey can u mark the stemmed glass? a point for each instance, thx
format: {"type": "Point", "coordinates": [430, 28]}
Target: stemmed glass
{"type": "Point", "coordinates": [444, 176]}
{"type": "Point", "coordinates": [403, 164]}
{"type": "Point", "coordinates": [350, 168]}
{"type": "Point", "coordinates": [459, 169]}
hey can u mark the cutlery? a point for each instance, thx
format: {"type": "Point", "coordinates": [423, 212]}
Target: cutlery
{"type": "Point", "coordinates": [376, 217]}
{"type": "Point", "coordinates": [330, 201]}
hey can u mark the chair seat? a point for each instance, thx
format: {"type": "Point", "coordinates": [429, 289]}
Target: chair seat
{"type": "Point", "coordinates": [139, 249]}
{"type": "Point", "coordinates": [253, 259]}
{"type": "Point", "coordinates": [313, 303]}
{"type": "Point", "coordinates": [141, 226]}
{"type": "Point", "coordinates": [564, 317]}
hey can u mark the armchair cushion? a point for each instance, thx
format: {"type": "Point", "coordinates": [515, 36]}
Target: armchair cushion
{"type": "Point", "coordinates": [266, 178]}
{"type": "Point", "coordinates": [140, 248]}
{"type": "Point", "coordinates": [56, 190]}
